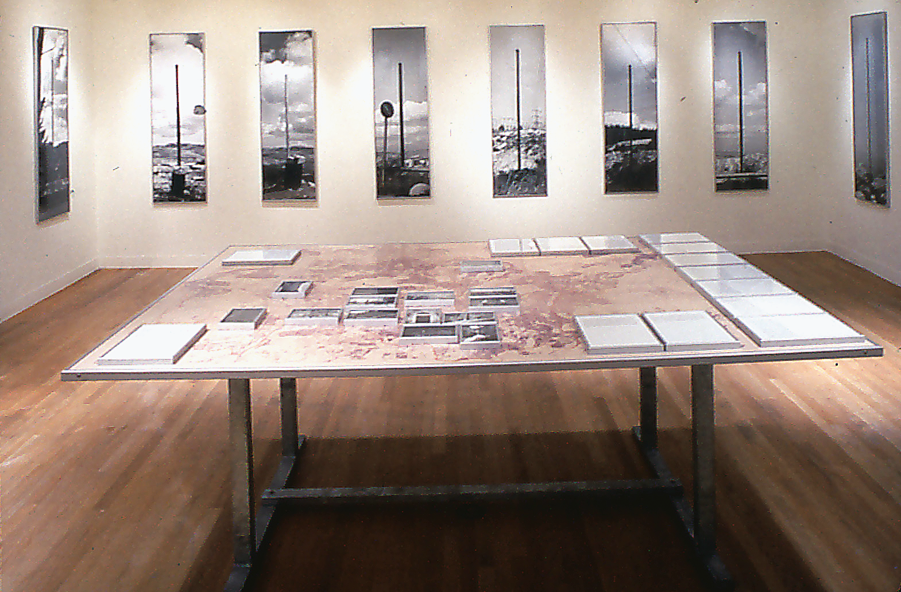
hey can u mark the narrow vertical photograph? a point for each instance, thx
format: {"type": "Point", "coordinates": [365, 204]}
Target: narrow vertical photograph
{"type": "Point", "coordinates": [288, 115]}
{"type": "Point", "coordinates": [869, 73]}
{"type": "Point", "coordinates": [51, 84]}
{"type": "Point", "coordinates": [401, 112]}
{"type": "Point", "coordinates": [178, 122]}
{"type": "Point", "coordinates": [629, 65]}
{"type": "Point", "coordinates": [518, 110]}
{"type": "Point", "coordinates": [740, 113]}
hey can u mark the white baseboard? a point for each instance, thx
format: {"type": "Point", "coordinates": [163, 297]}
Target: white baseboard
{"type": "Point", "coordinates": [15, 306]}
{"type": "Point", "coordinates": [888, 272]}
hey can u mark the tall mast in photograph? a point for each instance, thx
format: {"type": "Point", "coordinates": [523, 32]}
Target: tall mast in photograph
{"type": "Point", "coordinates": [400, 114]}
{"type": "Point", "coordinates": [518, 117]}
{"type": "Point", "coordinates": [178, 178]}
{"type": "Point", "coordinates": [387, 110]}
{"type": "Point", "coordinates": [869, 137]}
{"type": "Point", "coordinates": [741, 118]}
{"type": "Point", "coordinates": [287, 136]}
{"type": "Point", "coordinates": [631, 120]}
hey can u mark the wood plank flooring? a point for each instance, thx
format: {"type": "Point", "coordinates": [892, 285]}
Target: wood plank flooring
{"type": "Point", "coordinates": [125, 486]}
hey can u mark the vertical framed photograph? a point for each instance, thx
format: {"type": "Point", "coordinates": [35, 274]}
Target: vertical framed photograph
{"type": "Point", "coordinates": [51, 116]}
{"type": "Point", "coordinates": [518, 110]}
{"type": "Point", "coordinates": [400, 96]}
{"type": "Point", "coordinates": [629, 65]}
{"type": "Point", "coordinates": [178, 122]}
{"type": "Point", "coordinates": [740, 107]}
{"type": "Point", "coordinates": [288, 115]}
{"type": "Point", "coordinates": [869, 73]}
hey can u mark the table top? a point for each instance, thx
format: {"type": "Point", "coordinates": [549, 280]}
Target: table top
{"type": "Point", "coordinates": [552, 291]}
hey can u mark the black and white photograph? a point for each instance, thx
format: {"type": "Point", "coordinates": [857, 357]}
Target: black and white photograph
{"type": "Point", "coordinates": [288, 115]}
{"type": "Point", "coordinates": [375, 291]}
{"type": "Point", "coordinates": [51, 83]}
{"type": "Point", "coordinates": [428, 334]}
{"type": "Point", "coordinates": [629, 65]}
{"type": "Point", "coordinates": [479, 335]}
{"type": "Point", "coordinates": [430, 298]}
{"type": "Point", "coordinates": [371, 317]}
{"type": "Point", "coordinates": [740, 107]}
{"type": "Point", "coordinates": [518, 110]}
{"type": "Point", "coordinates": [869, 57]}
{"type": "Point", "coordinates": [292, 289]}
{"type": "Point", "coordinates": [401, 112]}
{"type": "Point", "coordinates": [422, 316]}
{"type": "Point", "coordinates": [314, 316]}
{"type": "Point", "coordinates": [243, 318]}
{"type": "Point", "coordinates": [371, 301]}
{"type": "Point", "coordinates": [482, 266]}
{"type": "Point", "coordinates": [178, 119]}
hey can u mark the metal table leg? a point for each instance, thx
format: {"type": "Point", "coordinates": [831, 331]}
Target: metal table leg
{"type": "Point", "coordinates": [702, 427]}
{"type": "Point", "coordinates": [648, 406]}
{"type": "Point", "coordinates": [288, 399]}
{"type": "Point", "coordinates": [240, 433]}
{"type": "Point", "coordinates": [698, 520]}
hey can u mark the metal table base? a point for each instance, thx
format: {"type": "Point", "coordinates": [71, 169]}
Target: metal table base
{"type": "Point", "coordinates": [698, 520]}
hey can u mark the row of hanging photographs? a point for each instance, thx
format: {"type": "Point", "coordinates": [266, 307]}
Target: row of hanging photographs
{"type": "Point", "coordinates": [518, 112]}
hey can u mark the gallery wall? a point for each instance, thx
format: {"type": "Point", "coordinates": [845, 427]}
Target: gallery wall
{"type": "Point", "coordinates": [135, 232]}
{"type": "Point", "coordinates": [38, 259]}
{"type": "Point", "coordinates": [809, 204]}
{"type": "Point", "coordinates": [866, 234]}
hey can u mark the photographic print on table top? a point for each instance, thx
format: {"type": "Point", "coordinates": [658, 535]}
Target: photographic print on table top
{"type": "Point", "coordinates": [314, 316]}
{"type": "Point", "coordinates": [518, 110]}
{"type": "Point", "coordinates": [740, 112]}
{"type": "Point", "coordinates": [243, 318]}
{"type": "Point", "coordinates": [422, 316]}
{"type": "Point", "coordinates": [629, 64]}
{"type": "Point", "coordinates": [373, 317]}
{"type": "Point", "coordinates": [428, 334]}
{"type": "Point", "coordinates": [51, 116]}
{"type": "Point", "coordinates": [482, 266]}
{"type": "Point", "coordinates": [401, 112]}
{"type": "Point", "coordinates": [430, 298]}
{"type": "Point", "coordinates": [178, 122]}
{"type": "Point", "coordinates": [292, 289]}
{"type": "Point", "coordinates": [479, 335]}
{"type": "Point", "coordinates": [869, 57]}
{"type": "Point", "coordinates": [288, 115]}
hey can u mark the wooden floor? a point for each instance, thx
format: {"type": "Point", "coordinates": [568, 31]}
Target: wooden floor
{"type": "Point", "coordinates": [125, 486]}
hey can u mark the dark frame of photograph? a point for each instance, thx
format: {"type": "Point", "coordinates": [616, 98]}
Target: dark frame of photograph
{"type": "Point", "coordinates": [740, 106]}
{"type": "Point", "coordinates": [629, 76]}
{"type": "Point", "coordinates": [869, 73]}
{"type": "Point", "coordinates": [400, 94]}
{"type": "Point", "coordinates": [51, 122]}
{"type": "Point", "coordinates": [518, 110]}
{"type": "Point", "coordinates": [178, 117]}
{"type": "Point", "coordinates": [288, 115]}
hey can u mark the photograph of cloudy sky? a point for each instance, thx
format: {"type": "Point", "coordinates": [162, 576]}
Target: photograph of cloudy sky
{"type": "Point", "coordinates": [629, 63]}
{"type": "Point", "coordinates": [518, 112]}
{"type": "Point", "coordinates": [287, 115]}
{"type": "Point", "coordinates": [870, 90]}
{"type": "Point", "coordinates": [51, 74]}
{"type": "Point", "coordinates": [178, 121]}
{"type": "Point", "coordinates": [401, 112]}
{"type": "Point", "coordinates": [740, 121]}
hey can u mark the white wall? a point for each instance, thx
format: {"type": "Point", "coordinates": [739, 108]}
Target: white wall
{"type": "Point", "coordinates": [135, 232]}
{"type": "Point", "coordinates": [866, 234]}
{"type": "Point", "coordinates": [38, 259]}
{"type": "Point", "coordinates": [809, 204]}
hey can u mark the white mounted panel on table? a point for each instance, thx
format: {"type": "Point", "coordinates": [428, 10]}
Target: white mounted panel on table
{"type": "Point", "coordinates": [798, 330]}
{"type": "Point", "coordinates": [690, 330]}
{"type": "Point", "coordinates": [617, 334]}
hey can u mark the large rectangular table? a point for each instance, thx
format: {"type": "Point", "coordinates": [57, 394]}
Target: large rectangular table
{"type": "Point", "coordinates": [553, 290]}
